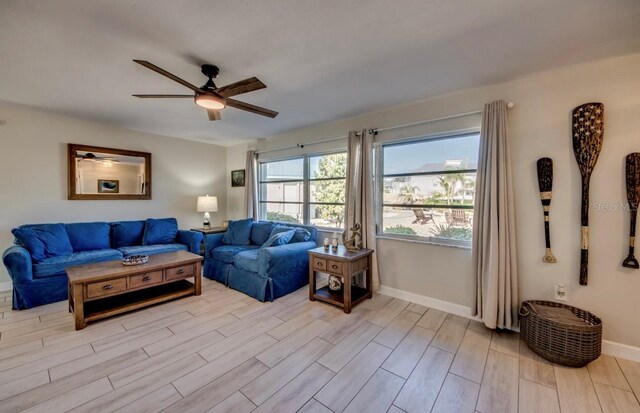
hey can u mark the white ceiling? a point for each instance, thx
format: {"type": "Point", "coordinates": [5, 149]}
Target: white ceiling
{"type": "Point", "coordinates": [321, 60]}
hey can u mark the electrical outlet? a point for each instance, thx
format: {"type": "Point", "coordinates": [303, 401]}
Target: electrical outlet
{"type": "Point", "coordinates": [560, 292]}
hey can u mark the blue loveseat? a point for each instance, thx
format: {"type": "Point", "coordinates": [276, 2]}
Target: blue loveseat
{"type": "Point", "coordinates": [37, 262]}
{"type": "Point", "coordinates": [241, 259]}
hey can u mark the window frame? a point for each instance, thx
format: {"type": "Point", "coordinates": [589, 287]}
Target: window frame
{"type": "Point", "coordinates": [379, 188]}
{"type": "Point", "coordinates": [306, 187]}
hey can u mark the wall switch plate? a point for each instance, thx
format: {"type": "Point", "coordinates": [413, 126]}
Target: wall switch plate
{"type": "Point", "coordinates": [560, 292]}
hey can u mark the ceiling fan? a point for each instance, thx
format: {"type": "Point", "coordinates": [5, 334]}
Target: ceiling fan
{"type": "Point", "coordinates": [90, 157]}
{"type": "Point", "coordinates": [211, 97]}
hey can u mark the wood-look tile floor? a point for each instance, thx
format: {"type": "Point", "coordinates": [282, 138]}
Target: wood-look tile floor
{"type": "Point", "coordinates": [226, 352]}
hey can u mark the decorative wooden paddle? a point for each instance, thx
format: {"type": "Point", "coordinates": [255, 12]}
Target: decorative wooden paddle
{"type": "Point", "coordinates": [545, 183]}
{"type": "Point", "coordinates": [633, 196]}
{"type": "Point", "coordinates": [588, 133]}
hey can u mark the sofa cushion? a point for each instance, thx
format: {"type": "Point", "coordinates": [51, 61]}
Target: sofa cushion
{"type": "Point", "coordinates": [301, 234]}
{"type": "Point", "coordinates": [53, 266]}
{"type": "Point", "coordinates": [226, 253]}
{"type": "Point", "coordinates": [247, 260]}
{"type": "Point", "coordinates": [279, 236]}
{"type": "Point", "coordinates": [89, 236]}
{"type": "Point", "coordinates": [160, 231]}
{"type": "Point", "coordinates": [44, 240]}
{"type": "Point", "coordinates": [260, 232]}
{"type": "Point", "coordinates": [127, 233]}
{"type": "Point", "coordinates": [238, 232]}
{"type": "Point", "coordinates": [152, 249]}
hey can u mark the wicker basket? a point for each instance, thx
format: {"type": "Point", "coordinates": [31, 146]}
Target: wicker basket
{"type": "Point", "coordinates": [560, 333]}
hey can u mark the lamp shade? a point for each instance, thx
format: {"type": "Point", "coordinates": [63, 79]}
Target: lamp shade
{"type": "Point", "coordinates": [207, 204]}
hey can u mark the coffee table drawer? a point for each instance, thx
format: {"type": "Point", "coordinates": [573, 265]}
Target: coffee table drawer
{"type": "Point", "coordinates": [142, 280]}
{"type": "Point", "coordinates": [176, 273]}
{"type": "Point", "coordinates": [104, 288]}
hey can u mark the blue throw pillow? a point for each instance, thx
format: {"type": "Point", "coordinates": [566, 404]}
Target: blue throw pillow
{"type": "Point", "coordinates": [44, 241]}
{"type": "Point", "coordinates": [279, 238]}
{"type": "Point", "coordinates": [127, 233]}
{"type": "Point", "coordinates": [89, 236]}
{"type": "Point", "coordinates": [281, 228]}
{"type": "Point", "coordinates": [260, 232]}
{"type": "Point", "coordinates": [160, 231]}
{"type": "Point", "coordinates": [238, 232]}
{"type": "Point", "coordinates": [301, 234]}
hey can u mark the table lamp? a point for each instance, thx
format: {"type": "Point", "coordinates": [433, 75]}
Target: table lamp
{"type": "Point", "coordinates": [207, 204]}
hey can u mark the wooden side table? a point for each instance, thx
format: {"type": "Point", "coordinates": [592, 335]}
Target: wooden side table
{"type": "Point", "coordinates": [208, 231]}
{"type": "Point", "coordinates": [344, 264]}
{"type": "Point", "coordinates": [212, 230]}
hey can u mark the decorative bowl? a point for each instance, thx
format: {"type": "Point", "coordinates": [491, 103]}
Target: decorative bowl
{"type": "Point", "coordinates": [135, 259]}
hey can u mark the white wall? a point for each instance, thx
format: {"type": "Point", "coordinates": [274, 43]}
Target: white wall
{"type": "Point", "coordinates": [539, 126]}
{"type": "Point", "coordinates": [33, 173]}
{"type": "Point", "coordinates": [236, 159]}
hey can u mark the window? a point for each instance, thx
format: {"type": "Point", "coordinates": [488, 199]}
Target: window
{"type": "Point", "coordinates": [427, 189]}
{"type": "Point", "coordinates": [306, 190]}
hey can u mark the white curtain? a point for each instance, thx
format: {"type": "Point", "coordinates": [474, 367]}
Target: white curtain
{"type": "Point", "coordinates": [251, 185]}
{"type": "Point", "coordinates": [359, 195]}
{"type": "Point", "coordinates": [494, 236]}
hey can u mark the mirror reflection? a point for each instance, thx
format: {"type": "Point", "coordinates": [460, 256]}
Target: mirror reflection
{"type": "Point", "coordinates": [101, 173]}
{"type": "Point", "coordinates": [104, 173]}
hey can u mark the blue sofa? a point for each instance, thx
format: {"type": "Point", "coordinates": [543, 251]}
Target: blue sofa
{"type": "Point", "coordinates": [36, 264]}
{"type": "Point", "coordinates": [241, 260]}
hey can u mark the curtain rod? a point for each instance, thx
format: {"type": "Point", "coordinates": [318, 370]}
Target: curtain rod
{"type": "Point", "coordinates": [302, 145]}
{"type": "Point", "coordinates": [510, 105]}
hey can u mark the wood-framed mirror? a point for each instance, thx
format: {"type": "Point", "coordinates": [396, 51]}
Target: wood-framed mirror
{"type": "Point", "coordinates": [97, 173]}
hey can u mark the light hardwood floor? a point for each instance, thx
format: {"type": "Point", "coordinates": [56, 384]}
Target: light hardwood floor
{"type": "Point", "coordinates": [226, 352]}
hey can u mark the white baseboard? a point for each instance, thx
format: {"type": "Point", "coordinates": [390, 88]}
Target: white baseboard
{"type": "Point", "coordinates": [608, 347]}
{"type": "Point", "coordinates": [7, 286]}
{"type": "Point", "coordinates": [430, 302]}
{"type": "Point", "coordinates": [621, 350]}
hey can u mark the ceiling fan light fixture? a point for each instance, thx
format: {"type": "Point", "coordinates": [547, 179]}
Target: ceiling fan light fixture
{"type": "Point", "coordinates": [89, 157]}
{"type": "Point", "coordinates": [210, 101]}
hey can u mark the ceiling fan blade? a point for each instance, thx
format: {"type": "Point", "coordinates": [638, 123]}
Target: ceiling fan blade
{"type": "Point", "coordinates": [171, 76]}
{"type": "Point", "coordinates": [251, 108]}
{"type": "Point", "coordinates": [243, 86]}
{"type": "Point", "coordinates": [214, 114]}
{"type": "Point", "coordinates": [163, 96]}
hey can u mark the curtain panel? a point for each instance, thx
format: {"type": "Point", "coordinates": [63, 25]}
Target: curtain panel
{"type": "Point", "coordinates": [494, 233]}
{"type": "Point", "coordinates": [360, 195]}
{"type": "Point", "coordinates": [251, 185]}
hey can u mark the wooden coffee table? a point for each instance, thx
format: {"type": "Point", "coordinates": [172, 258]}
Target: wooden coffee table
{"type": "Point", "coordinates": [108, 288]}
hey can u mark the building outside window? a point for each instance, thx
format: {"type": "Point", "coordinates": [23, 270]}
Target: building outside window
{"type": "Point", "coordinates": [427, 189]}
{"type": "Point", "coordinates": [309, 190]}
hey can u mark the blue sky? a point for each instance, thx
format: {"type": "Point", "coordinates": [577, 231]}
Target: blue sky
{"type": "Point", "coordinates": [410, 157]}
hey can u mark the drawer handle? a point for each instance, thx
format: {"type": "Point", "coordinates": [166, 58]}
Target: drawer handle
{"type": "Point", "coordinates": [107, 287]}
{"type": "Point", "coordinates": [146, 278]}
{"type": "Point", "coordinates": [180, 271]}
{"type": "Point", "coordinates": [319, 264]}
{"type": "Point", "coordinates": [334, 266]}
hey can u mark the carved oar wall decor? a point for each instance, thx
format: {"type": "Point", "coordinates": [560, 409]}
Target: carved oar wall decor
{"type": "Point", "coordinates": [588, 133]}
{"type": "Point", "coordinates": [545, 183]}
{"type": "Point", "coordinates": [633, 196]}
